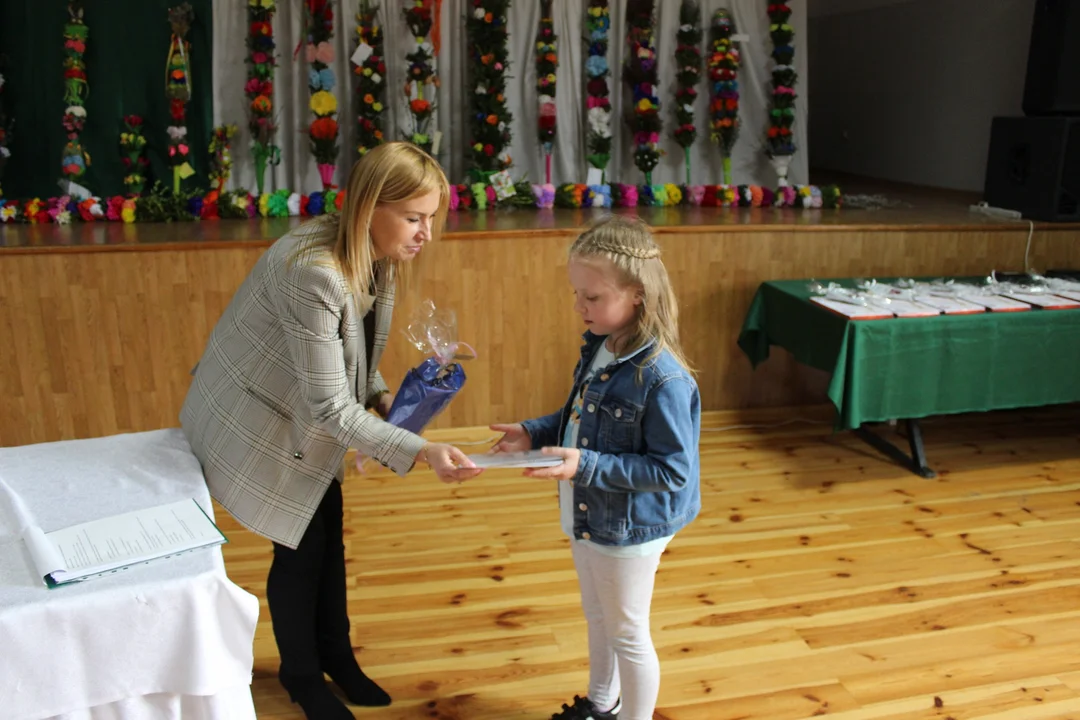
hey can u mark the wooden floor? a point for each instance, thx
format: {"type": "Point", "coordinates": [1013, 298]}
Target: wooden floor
{"type": "Point", "coordinates": [819, 580]}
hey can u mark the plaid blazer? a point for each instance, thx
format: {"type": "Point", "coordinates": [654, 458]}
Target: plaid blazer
{"type": "Point", "coordinates": [279, 394]}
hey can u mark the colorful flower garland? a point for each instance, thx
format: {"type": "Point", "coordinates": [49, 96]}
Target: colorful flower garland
{"type": "Point", "coordinates": [724, 88]}
{"type": "Point", "coordinates": [489, 59]}
{"type": "Point", "coordinates": [547, 62]}
{"type": "Point", "coordinates": [688, 57]}
{"type": "Point", "coordinates": [641, 72]}
{"type": "Point", "coordinates": [598, 102]}
{"type": "Point", "coordinates": [779, 141]}
{"type": "Point", "coordinates": [220, 156]}
{"type": "Point", "coordinates": [321, 81]}
{"type": "Point", "coordinates": [160, 206]}
{"type": "Point", "coordinates": [5, 134]}
{"type": "Point", "coordinates": [133, 146]}
{"type": "Point", "coordinates": [76, 88]}
{"type": "Point", "coordinates": [421, 18]}
{"type": "Point", "coordinates": [260, 87]}
{"type": "Point", "coordinates": [370, 78]}
{"type": "Point", "coordinates": [178, 90]}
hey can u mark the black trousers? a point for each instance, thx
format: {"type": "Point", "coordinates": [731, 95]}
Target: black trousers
{"type": "Point", "coordinates": [306, 592]}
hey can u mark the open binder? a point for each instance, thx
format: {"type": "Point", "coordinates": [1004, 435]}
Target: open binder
{"type": "Point", "coordinates": [113, 543]}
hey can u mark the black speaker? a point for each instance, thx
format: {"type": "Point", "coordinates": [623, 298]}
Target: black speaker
{"type": "Point", "coordinates": [1052, 85]}
{"type": "Point", "coordinates": [1034, 167]}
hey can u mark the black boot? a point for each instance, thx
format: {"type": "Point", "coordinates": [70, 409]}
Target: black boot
{"type": "Point", "coordinates": [313, 695]}
{"type": "Point", "coordinates": [358, 687]}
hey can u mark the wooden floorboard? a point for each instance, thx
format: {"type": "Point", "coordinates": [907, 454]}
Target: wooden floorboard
{"type": "Point", "coordinates": [819, 580]}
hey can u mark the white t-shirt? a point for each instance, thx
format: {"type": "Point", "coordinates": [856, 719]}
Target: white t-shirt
{"type": "Point", "coordinates": [603, 358]}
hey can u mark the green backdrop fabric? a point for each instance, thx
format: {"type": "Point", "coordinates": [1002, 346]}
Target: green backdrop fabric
{"type": "Point", "coordinates": [125, 66]}
{"type": "Point", "coordinates": [917, 367]}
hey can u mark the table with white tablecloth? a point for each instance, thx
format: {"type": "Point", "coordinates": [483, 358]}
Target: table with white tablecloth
{"type": "Point", "coordinates": [170, 638]}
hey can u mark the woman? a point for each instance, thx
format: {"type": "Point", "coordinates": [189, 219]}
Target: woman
{"type": "Point", "coordinates": [282, 391]}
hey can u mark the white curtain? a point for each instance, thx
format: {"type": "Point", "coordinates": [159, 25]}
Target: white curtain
{"type": "Point", "coordinates": [297, 169]}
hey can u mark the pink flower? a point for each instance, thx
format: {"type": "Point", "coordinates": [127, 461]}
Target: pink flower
{"type": "Point", "coordinates": [252, 87]}
{"type": "Point", "coordinates": [596, 102]}
{"type": "Point", "coordinates": [309, 52]}
{"type": "Point", "coordinates": [324, 53]}
{"type": "Point", "coordinates": [629, 196]}
{"type": "Point", "coordinates": [258, 58]}
{"type": "Point", "coordinates": [454, 199]}
{"type": "Point", "coordinates": [697, 194]}
{"type": "Point", "coordinates": [498, 66]}
{"type": "Point", "coordinates": [545, 195]}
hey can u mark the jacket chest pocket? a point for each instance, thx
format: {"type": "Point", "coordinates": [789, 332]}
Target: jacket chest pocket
{"type": "Point", "coordinates": [619, 423]}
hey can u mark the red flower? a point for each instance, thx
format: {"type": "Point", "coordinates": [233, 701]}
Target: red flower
{"type": "Point", "coordinates": [324, 128]}
{"type": "Point", "coordinates": [260, 28]}
{"type": "Point", "coordinates": [176, 109]}
{"type": "Point", "coordinates": [489, 150]}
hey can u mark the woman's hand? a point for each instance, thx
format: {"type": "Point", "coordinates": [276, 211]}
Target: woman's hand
{"type": "Point", "coordinates": [385, 402]}
{"type": "Point", "coordinates": [515, 438]}
{"type": "Point", "coordinates": [571, 458]}
{"type": "Point", "coordinates": [449, 463]}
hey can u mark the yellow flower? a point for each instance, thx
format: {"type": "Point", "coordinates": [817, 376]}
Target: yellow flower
{"type": "Point", "coordinates": [539, 46]}
{"type": "Point", "coordinates": [478, 147]}
{"type": "Point", "coordinates": [551, 77]}
{"type": "Point", "coordinates": [367, 72]}
{"type": "Point", "coordinates": [377, 107]}
{"type": "Point", "coordinates": [128, 214]}
{"type": "Point", "coordinates": [323, 103]}
{"type": "Point", "coordinates": [644, 104]}
{"type": "Point", "coordinates": [594, 11]}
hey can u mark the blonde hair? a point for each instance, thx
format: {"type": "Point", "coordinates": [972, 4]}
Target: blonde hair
{"type": "Point", "coordinates": [389, 173]}
{"type": "Point", "coordinates": [628, 246]}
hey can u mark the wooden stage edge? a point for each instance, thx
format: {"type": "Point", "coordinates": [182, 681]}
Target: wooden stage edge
{"type": "Point", "coordinates": [101, 343]}
{"type": "Point", "coordinates": [514, 223]}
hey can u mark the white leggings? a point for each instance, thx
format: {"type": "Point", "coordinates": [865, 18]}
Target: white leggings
{"type": "Point", "coordinates": [616, 594]}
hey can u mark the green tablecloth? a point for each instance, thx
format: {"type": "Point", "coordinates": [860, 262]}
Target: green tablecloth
{"type": "Point", "coordinates": [916, 367]}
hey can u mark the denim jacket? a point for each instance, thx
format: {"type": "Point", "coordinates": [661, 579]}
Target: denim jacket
{"type": "Point", "coordinates": [638, 479]}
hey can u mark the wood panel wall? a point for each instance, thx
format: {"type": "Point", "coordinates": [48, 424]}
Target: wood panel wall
{"type": "Point", "coordinates": [98, 343]}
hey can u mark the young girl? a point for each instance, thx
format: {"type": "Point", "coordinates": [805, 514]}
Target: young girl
{"type": "Point", "coordinates": [629, 446]}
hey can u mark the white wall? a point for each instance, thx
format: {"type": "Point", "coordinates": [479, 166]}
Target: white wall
{"type": "Point", "coordinates": [907, 91]}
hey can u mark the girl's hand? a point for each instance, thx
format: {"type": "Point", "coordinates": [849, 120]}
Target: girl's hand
{"type": "Point", "coordinates": [571, 458]}
{"type": "Point", "coordinates": [449, 463]}
{"type": "Point", "coordinates": [515, 438]}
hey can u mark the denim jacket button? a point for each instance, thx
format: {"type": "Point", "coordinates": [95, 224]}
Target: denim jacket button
{"type": "Point", "coordinates": [592, 408]}
{"type": "Point", "coordinates": [585, 536]}
{"type": "Point", "coordinates": [583, 507]}
{"type": "Point", "coordinates": [618, 413]}
{"type": "Point", "coordinates": [604, 377]}
{"type": "Point", "coordinates": [584, 442]}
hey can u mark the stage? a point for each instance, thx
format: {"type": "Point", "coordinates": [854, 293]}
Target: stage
{"type": "Point", "coordinates": [107, 319]}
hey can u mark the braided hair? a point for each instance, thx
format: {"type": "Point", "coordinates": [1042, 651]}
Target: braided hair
{"type": "Point", "coordinates": [627, 246]}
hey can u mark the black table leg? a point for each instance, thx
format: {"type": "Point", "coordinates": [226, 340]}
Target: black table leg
{"type": "Point", "coordinates": [916, 462]}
